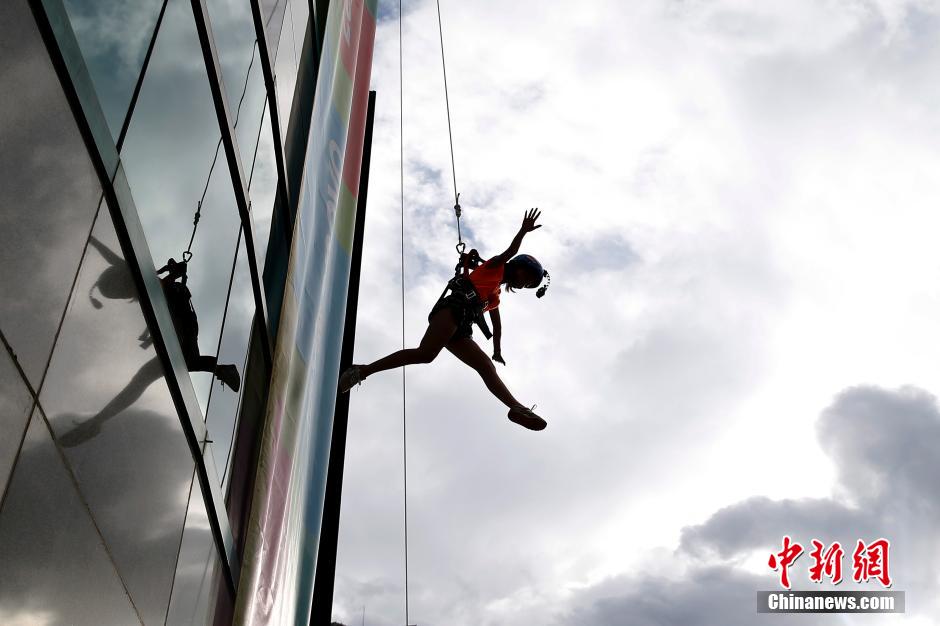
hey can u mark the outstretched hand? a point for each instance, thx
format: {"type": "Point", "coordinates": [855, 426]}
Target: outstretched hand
{"type": "Point", "coordinates": [528, 222]}
{"type": "Point", "coordinates": [498, 357]}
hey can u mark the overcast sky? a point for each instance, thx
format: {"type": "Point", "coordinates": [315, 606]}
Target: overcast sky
{"type": "Point", "coordinates": [740, 341]}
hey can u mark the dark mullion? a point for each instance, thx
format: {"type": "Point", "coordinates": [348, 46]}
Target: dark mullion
{"type": "Point", "coordinates": [140, 79]}
{"type": "Point", "coordinates": [267, 71]}
{"type": "Point", "coordinates": [227, 128]}
{"type": "Point", "coordinates": [34, 397]}
{"type": "Point", "coordinates": [318, 11]}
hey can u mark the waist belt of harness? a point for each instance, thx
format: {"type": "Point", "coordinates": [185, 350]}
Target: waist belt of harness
{"type": "Point", "coordinates": [463, 288]}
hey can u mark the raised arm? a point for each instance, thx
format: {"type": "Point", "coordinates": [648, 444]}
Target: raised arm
{"type": "Point", "coordinates": [528, 225]}
{"type": "Point", "coordinates": [106, 252]}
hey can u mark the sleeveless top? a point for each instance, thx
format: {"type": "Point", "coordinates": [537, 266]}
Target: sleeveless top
{"type": "Point", "coordinates": [486, 279]}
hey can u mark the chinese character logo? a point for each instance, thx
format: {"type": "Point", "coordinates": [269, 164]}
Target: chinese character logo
{"type": "Point", "coordinates": [869, 561]}
{"type": "Point", "coordinates": [783, 559]}
{"type": "Point", "coordinates": [828, 563]}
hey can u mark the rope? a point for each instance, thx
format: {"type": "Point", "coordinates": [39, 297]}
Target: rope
{"type": "Point", "coordinates": [404, 397]}
{"type": "Point", "coordinates": [450, 133]}
{"type": "Point", "coordinates": [460, 248]}
{"type": "Point", "coordinates": [188, 253]}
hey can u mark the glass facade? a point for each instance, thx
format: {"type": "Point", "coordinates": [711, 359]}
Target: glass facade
{"type": "Point", "coordinates": [139, 391]}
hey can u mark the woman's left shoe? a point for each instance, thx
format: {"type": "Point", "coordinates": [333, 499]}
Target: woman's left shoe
{"type": "Point", "coordinates": [527, 418]}
{"type": "Point", "coordinates": [352, 376]}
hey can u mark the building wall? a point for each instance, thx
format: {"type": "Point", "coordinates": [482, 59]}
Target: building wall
{"type": "Point", "coordinates": [278, 577]}
{"type": "Point", "coordinates": [122, 467]}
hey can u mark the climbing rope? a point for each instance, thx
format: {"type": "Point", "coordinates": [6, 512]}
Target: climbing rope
{"type": "Point", "coordinates": [404, 397]}
{"type": "Point", "coordinates": [188, 254]}
{"type": "Point", "coordinates": [461, 246]}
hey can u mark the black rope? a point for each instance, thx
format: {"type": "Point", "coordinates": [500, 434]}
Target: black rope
{"type": "Point", "coordinates": [450, 134]}
{"type": "Point", "coordinates": [404, 396]}
{"type": "Point", "coordinates": [188, 253]}
{"type": "Point", "coordinates": [254, 159]}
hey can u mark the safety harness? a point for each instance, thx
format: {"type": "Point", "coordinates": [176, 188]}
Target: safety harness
{"type": "Point", "coordinates": [461, 287]}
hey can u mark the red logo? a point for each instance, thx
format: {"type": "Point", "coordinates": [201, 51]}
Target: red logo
{"type": "Point", "coordinates": [868, 561]}
{"type": "Point", "coordinates": [790, 553]}
{"type": "Point", "coordinates": [871, 561]}
{"type": "Point", "coordinates": [828, 563]}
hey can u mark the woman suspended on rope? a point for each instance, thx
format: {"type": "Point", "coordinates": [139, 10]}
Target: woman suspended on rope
{"type": "Point", "coordinates": [451, 319]}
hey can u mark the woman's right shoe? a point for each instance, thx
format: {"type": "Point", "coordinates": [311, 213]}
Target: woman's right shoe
{"type": "Point", "coordinates": [527, 418]}
{"type": "Point", "coordinates": [352, 376]}
{"type": "Point", "coordinates": [228, 375]}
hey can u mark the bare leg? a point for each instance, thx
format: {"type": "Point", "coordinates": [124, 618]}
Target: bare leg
{"type": "Point", "coordinates": [470, 353]}
{"type": "Point", "coordinates": [439, 331]}
{"type": "Point", "coordinates": [148, 373]}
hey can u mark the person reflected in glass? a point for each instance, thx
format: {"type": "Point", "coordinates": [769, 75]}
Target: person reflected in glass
{"type": "Point", "coordinates": [179, 299]}
{"type": "Point", "coordinates": [115, 283]}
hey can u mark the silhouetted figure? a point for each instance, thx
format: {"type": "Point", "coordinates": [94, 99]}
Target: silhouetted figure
{"type": "Point", "coordinates": [179, 299]}
{"type": "Point", "coordinates": [450, 323]}
{"type": "Point", "coordinates": [115, 283]}
{"type": "Point", "coordinates": [149, 372]}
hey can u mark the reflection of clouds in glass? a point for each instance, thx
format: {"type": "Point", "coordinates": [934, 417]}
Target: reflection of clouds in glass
{"type": "Point", "coordinates": [223, 402]}
{"type": "Point", "coordinates": [52, 559]}
{"type": "Point", "coordinates": [248, 111]}
{"type": "Point", "coordinates": [15, 406]}
{"type": "Point", "coordinates": [299, 12]}
{"type": "Point", "coordinates": [285, 73]}
{"type": "Point", "coordinates": [198, 572]}
{"type": "Point", "coordinates": [135, 472]}
{"type": "Point", "coordinates": [34, 617]}
{"type": "Point", "coordinates": [238, 55]}
{"type": "Point", "coordinates": [234, 33]}
{"type": "Point", "coordinates": [262, 186]}
{"type": "Point", "coordinates": [272, 12]}
{"type": "Point", "coordinates": [50, 192]}
{"type": "Point", "coordinates": [167, 156]}
{"type": "Point", "coordinates": [113, 37]}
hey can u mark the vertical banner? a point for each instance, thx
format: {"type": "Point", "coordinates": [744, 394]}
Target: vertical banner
{"type": "Point", "coordinates": [279, 563]}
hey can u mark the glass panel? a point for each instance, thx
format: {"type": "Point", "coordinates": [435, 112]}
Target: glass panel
{"type": "Point", "coordinates": [171, 145]}
{"type": "Point", "coordinates": [272, 12]}
{"type": "Point", "coordinates": [285, 73]}
{"type": "Point", "coordinates": [50, 192]}
{"type": "Point", "coordinates": [237, 49]}
{"type": "Point", "coordinates": [292, 43]}
{"type": "Point", "coordinates": [224, 402]}
{"type": "Point", "coordinates": [53, 566]}
{"type": "Point", "coordinates": [299, 13]}
{"type": "Point", "coordinates": [113, 37]}
{"type": "Point", "coordinates": [110, 408]}
{"type": "Point", "coordinates": [262, 188]}
{"type": "Point", "coordinates": [15, 406]}
{"type": "Point", "coordinates": [248, 114]}
{"type": "Point", "coordinates": [199, 583]}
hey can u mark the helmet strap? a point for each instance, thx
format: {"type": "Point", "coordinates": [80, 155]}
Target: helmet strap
{"type": "Point", "coordinates": [548, 281]}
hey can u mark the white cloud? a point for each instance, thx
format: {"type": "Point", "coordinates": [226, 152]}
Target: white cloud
{"type": "Point", "coordinates": [883, 443]}
{"type": "Point", "coordinates": [739, 214]}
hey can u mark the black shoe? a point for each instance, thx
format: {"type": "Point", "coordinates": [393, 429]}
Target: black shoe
{"type": "Point", "coordinates": [228, 374]}
{"type": "Point", "coordinates": [352, 376]}
{"type": "Point", "coordinates": [526, 418]}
